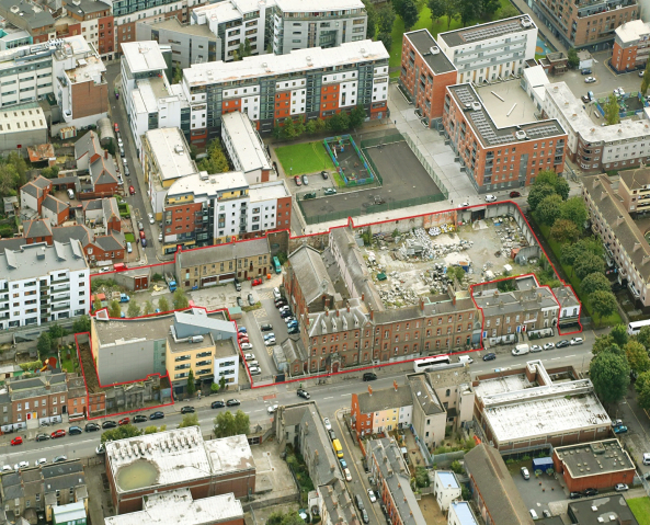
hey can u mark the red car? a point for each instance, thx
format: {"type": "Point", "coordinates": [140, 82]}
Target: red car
{"type": "Point", "coordinates": [244, 340]}
{"type": "Point", "coordinates": [514, 194]}
{"type": "Point", "coordinates": [298, 181]}
{"type": "Point", "coordinates": [17, 441]}
{"type": "Point", "coordinates": [256, 282]}
{"type": "Point", "coordinates": [117, 128]}
{"type": "Point", "coordinates": [242, 335]}
{"type": "Point", "coordinates": [124, 421]}
{"type": "Point", "coordinates": [57, 434]}
{"type": "Point", "coordinates": [131, 190]}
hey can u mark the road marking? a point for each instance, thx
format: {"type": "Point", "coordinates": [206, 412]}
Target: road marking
{"type": "Point", "coordinates": [331, 397]}
{"type": "Point", "coordinates": [345, 395]}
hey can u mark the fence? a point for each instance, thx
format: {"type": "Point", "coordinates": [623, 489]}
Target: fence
{"type": "Point", "coordinates": [425, 163]}
{"type": "Point", "coordinates": [380, 141]}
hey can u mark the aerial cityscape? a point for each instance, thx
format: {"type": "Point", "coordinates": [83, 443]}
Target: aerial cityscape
{"type": "Point", "coordinates": [286, 262]}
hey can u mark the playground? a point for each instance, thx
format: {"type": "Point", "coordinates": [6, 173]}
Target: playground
{"type": "Point", "coordinates": [628, 105]}
{"type": "Point", "coordinates": [351, 167]}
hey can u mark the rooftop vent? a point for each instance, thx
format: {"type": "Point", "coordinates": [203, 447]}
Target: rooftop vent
{"type": "Point", "coordinates": [476, 106]}
{"type": "Point", "coordinates": [435, 50]}
{"type": "Point", "coordinates": [14, 9]}
{"type": "Point", "coordinates": [467, 106]}
{"type": "Point", "coordinates": [520, 134]}
{"type": "Point", "coordinates": [526, 22]}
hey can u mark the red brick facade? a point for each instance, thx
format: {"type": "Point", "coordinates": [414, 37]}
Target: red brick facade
{"type": "Point", "coordinates": [89, 98]}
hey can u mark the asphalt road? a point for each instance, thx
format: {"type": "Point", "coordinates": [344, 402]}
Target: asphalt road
{"type": "Point", "coordinates": [331, 399]}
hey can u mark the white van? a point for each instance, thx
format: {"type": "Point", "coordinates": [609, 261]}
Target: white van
{"type": "Point", "coordinates": [70, 194]}
{"type": "Point", "coordinates": [522, 349]}
{"type": "Point", "coordinates": [129, 248]}
{"type": "Point", "coordinates": [465, 359]}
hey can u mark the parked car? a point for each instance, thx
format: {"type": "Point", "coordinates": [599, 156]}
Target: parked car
{"type": "Point", "coordinates": [187, 410]}
{"type": "Point", "coordinates": [249, 357]}
{"type": "Point", "coordinates": [330, 191]}
{"type": "Point", "coordinates": [371, 496]}
{"type": "Point", "coordinates": [297, 180]}
{"type": "Point", "coordinates": [621, 487]}
{"type": "Point", "coordinates": [140, 418]}
{"type": "Point", "coordinates": [490, 198]}
{"type": "Point", "coordinates": [641, 73]}
{"type": "Point", "coordinates": [590, 80]}
{"type": "Point", "coordinates": [217, 404]}
{"type": "Point", "coordinates": [100, 450]}
{"type": "Point", "coordinates": [240, 302]}
{"type": "Point", "coordinates": [324, 174]}
{"type": "Point", "coordinates": [524, 473]}
{"type": "Point", "coordinates": [620, 429]}
{"type": "Point", "coordinates": [251, 299]}
{"type": "Point", "coordinates": [39, 462]}
{"type": "Point", "coordinates": [270, 335]}
{"type": "Point", "coordinates": [151, 219]}
{"type": "Point", "coordinates": [54, 435]}
{"type": "Point", "coordinates": [266, 327]}
{"type": "Point", "coordinates": [42, 437]}
{"type": "Point", "coordinates": [276, 293]}
{"type": "Point", "coordinates": [590, 492]}
{"type": "Point", "coordinates": [18, 440]}
{"type": "Point", "coordinates": [326, 422]}
{"type": "Point", "coordinates": [157, 415]}
{"type": "Point", "coordinates": [233, 403]}
{"type": "Point", "coordinates": [246, 346]}
{"type": "Point", "coordinates": [646, 458]}
{"type": "Point", "coordinates": [124, 421]}
{"type": "Point", "coordinates": [549, 346]}
{"type": "Point", "coordinates": [347, 474]}
{"type": "Point", "coordinates": [575, 495]}
{"type": "Point", "coordinates": [359, 502]}
{"type": "Point", "coordinates": [75, 430]}
{"type": "Point", "coordinates": [91, 427]}
{"type": "Point", "coordinates": [256, 282]}
{"type": "Point", "coordinates": [489, 357]}
{"type": "Point", "coordinates": [269, 342]}
{"type": "Point", "coordinates": [535, 348]}
{"type": "Point", "coordinates": [533, 514]}
{"type": "Point", "coordinates": [242, 330]}
{"type": "Point", "coordinates": [131, 190]}
{"type": "Point", "coordinates": [109, 424]}
{"type": "Point", "coordinates": [331, 434]}
{"type": "Point", "coordinates": [305, 180]}
{"type": "Point", "coordinates": [21, 464]}
{"type": "Point", "coordinates": [514, 194]}
{"type": "Point", "coordinates": [310, 195]}
{"type": "Point", "coordinates": [59, 459]}
{"type": "Point", "coordinates": [369, 376]}
{"type": "Point", "coordinates": [563, 343]}
{"type": "Point", "coordinates": [576, 341]}
{"type": "Point", "coordinates": [272, 409]}
{"type": "Point", "coordinates": [586, 71]}
{"type": "Point", "coordinates": [302, 393]}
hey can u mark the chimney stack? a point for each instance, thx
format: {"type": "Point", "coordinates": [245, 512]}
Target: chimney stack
{"type": "Point", "coordinates": [421, 303]}
{"type": "Point", "coordinates": [395, 385]}
{"type": "Point", "coordinates": [338, 313]}
{"type": "Point", "coordinates": [370, 390]}
{"type": "Point", "coordinates": [372, 314]}
{"type": "Point", "coordinates": [347, 306]}
{"type": "Point", "coordinates": [327, 311]}
{"type": "Point", "coordinates": [363, 296]}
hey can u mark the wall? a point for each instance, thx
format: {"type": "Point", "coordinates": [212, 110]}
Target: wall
{"type": "Point", "coordinates": [139, 355]}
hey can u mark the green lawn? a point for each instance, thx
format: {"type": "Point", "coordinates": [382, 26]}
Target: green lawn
{"type": "Point", "coordinates": [129, 237]}
{"type": "Point", "coordinates": [613, 319]}
{"type": "Point", "coordinates": [641, 509]}
{"type": "Point", "coordinates": [308, 157]}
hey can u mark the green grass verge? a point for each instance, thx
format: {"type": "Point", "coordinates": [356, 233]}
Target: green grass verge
{"type": "Point", "coordinates": [611, 320]}
{"type": "Point", "coordinates": [640, 507]}
{"type": "Point", "coordinates": [308, 157]}
{"type": "Point", "coordinates": [129, 237]}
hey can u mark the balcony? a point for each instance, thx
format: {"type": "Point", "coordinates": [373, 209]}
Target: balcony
{"type": "Point", "coordinates": [599, 6]}
{"type": "Point", "coordinates": [60, 306]}
{"type": "Point", "coordinates": [59, 298]}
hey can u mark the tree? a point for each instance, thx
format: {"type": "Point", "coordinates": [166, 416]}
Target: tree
{"type": "Point", "coordinates": [452, 11]}
{"type": "Point", "coordinates": [57, 332]}
{"type": "Point", "coordinates": [216, 161]}
{"type": "Point", "coordinates": [602, 343]}
{"type": "Point", "coordinates": [409, 13]}
{"type": "Point", "coordinates": [81, 325]}
{"type": "Point", "coordinates": [288, 129]}
{"type": "Point", "coordinates": [538, 193]}
{"type": "Point", "coordinates": [189, 420]}
{"type": "Point", "coordinates": [148, 308]}
{"type": "Point", "coordinates": [466, 9]}
{"type": "Point", "coordinates": [594, 282]}
{"type": "Point", "coordinates": [612, 115]}
{"type": "Point", "coordinates": [637, 357]}
{"type": "Point", "coordinates": [438, 9]}
{"type": "Point", "coordinates": [643, 337]}
{"type": "Point", "coordinates": [224, 424]}
{"type": "Point", "coordinates": [97, 304]}
{"type": "Point", "coordinates": [642, 387]}
{"type": "Point", "coordinates": [645, 82]}
{"type": "Point", "coordinates": [121, 432]}
{"type": "Point", "coordinates": [180, 300]}
{"type": "Point", "coordinates": [610, 375]}
{"type": "Point", "coordinates": [619, 335]}
{"type": "Point", "coordinates": [44, 345]}
{"type": "Point", "coordinates": [562, 188]}
{"type": "Point", "coordinates": [242, 423]}
{"type": "Point", "coordinates": [133, 310]}
{"type": "Point", "coordinates": [506, 285]}
{"type": "Point", "coordinates": [574, 210]}
{"type": "Point", "coordinates": [564, 231]}
{"type": "Point", "coordinates": [456, 273]}
{"type": "Point", "coordinates": [151, 429]}
{"type": "Point", "coordinates": [163, 304]}
{"type": "Point", "coordinates": [546, 177]}
{"type": "Point", "coordinates": [222, 383]}
{"type": "Point", "coordinates": [549, 209]}
{"type": "Point", "coordinates": [386, 18]}
{"type": "Point", "coordinates": [489, 8]}
{"type": "Point", "coordinates": [588, 263]}
{"type": "Point", "coordinates": [215, 387]}
{"type": "Point", "coordinates": [574, 61]}
{"type": "Point", "coordinates": [386, 39]}
{"type": "Point", "coordinates": [191, 383]}
{"type": "Point", "coordinates": [114, 309]}
{"type": "Point", "coordinates": [507, 11]}
{"type": "Point", "coordinates": [310, 127]}
{"type": "Point", "coordinates": [371, 24]}
{"type": "Point", "coordinates": [357, 116]}
{"type": "Point", "coordinates": [603, 303]}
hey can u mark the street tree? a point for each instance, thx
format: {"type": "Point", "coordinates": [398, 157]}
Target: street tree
{"type": "Point", "coordinates": [562, 188]}
{"type": "Point", "coordinates": [189, 420]}
{"type": "Point", "coordinates": [357, 116]}
{"type": "Point", "coordinates": [612, 109]}
{"type": "Point", "coordinates": [588, 263]}
{"type": "Point", "coordinates": [386, 18]}
{"type": "Point", "coordinates": [645, 82]}
{"type": "Point", "coordinates": [191, 383]}
{"type": "Point", "coordinates": [637, 357]}
{"type": "Point", "coordinates": [564, 231]}
{"type": "Point", "coordinates": [242, 423]}
{"type": "Point", "coordinates": [224, 424]}
{"type": "Point", "coordinates": [602, 343]}
{"type": "Point", "coordinates": [573, 59]}
{"type": "Point", "coordinates": [610, 375]}
{"type": "Point", "coordinates": [642, 387]}
{"type": "Point", "coordinates": [574, 210]}
{"type": "Point", "coordinates": [121, 432]}
{"type": "Point", "coordinates": [643, 337]}
{"type": "Point", "coordinates": [594, 282]}
{"type": "Point", "coordinates": [409, 13]}
{"type": "Point", "coordinates": [603, 303]}
{"type": "Point", "coordinates": [538, 193]}
{"type": "Point", "coordinates": [619, 335]}
{"type": "Point", "coordinates": [549, 209]}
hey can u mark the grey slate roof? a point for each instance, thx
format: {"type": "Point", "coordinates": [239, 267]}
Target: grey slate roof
{"type": "Point", "coordinates": [636, 178]}
{"type": "Point", "coordinates": [36, 386]}
{"type": "Point", "coordinates": [494, 302]}
{"type": "Point", "coordinates": [36, 260]}
{"type": "Point", "coordinates": [78, 232]}
{"type": "Point", "coordinates": [37, 228]}
{"type": "Point", "coordinates": [496, 487]}
{"type": "Point", "coordinates": [111, 242]}
{"type": "Point", "coordinates": [424, 395]}
{"type": "Point", "coordinates": [94, 204]}
{"type": "Point", "coordinates": [52, 203]}
{"type": "Point", "coordinates": [565, 296]}
{"type": "Point", "coordinates": [311, 274]}
{"type": "Point", "coordinates": [338, 502]}
{"type": "Point", "coordinates": [617, 218]}
{"type": "Point", "coordinates": [339, 320]}
{"type": "Point", "coordinates": [385, 399]}
{"type": "Point", "coordinates": [88, 144]}
{"type": "Point", "coordinates": [210, 255]}
{"type": "Point", "coordinates": [102, 171]}
{"type": "Point", "coordinates": [110, 208]}
{"type": "Point", "coordinates": [85, 7]}
{"type": "Point", "coordinates": [35, 187]}
{"type": "Point", "coordinates": [31, 18]}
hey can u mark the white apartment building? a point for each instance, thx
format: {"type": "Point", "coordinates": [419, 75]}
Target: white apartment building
{"type": "Point", "coordinates": [245, 148]}
{"type": "Point", "coordinates": [310, 23]}
{"type": "Point", "coordinates": [496, 50]}
{"type": "Point", "coordinates": [592, 146]}
{"type": "Point", "coordinates": [40, 283]}
{"type": "Point", "coordinates": [233, 22]}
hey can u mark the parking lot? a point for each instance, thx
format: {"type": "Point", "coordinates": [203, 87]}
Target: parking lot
{"type": "Point", "coordinates": [546, 492]}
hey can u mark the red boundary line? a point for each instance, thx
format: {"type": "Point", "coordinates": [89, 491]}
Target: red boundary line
{"type": "Point", "coordinates": [350, 223]}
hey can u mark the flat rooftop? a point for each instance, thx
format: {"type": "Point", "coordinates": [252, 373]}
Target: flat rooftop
{"type": "Point", "coordinates": [209, 185]}
{"type": "Point", "coordinates": [21, 118]}
{"type": "Point", "coordinates": [173, 24]}
{"type": "Point", "coordinates": [316, 6]}
{"type": "Point", "coordinates": [230, 454]}
{"type": "Point", "coordinates": [610, 509]}
{"type": "Point", "coordinates": [463, 513]}
{"type": "Point", "coordinates": [268, 190]}
{"type": "Point", "coordinates": [37, 260]}
{"type": "Point", "coordinates": [178, 506]}
{"type": "Point", "coordinates": [632, 31]}
{"type": "Point", "coordinates": [170, 152]}
{"type": "Point", "coordinates": [428, 48]}
{"type": "Point", "coordinates": [144, 56]}
{"type": "Point", "coordinates": [89, 68]}
{"type": "Point", "coordinates": [299, 61]}
{"type": "Point", "coordinates": [448, 479]}
{"type": "Point", "coordinates": [489, 31]}
{"type": "Point", "coordinates": [488, 131]}
{"type": "Point", "coordinates": [245, 142]}
{"type": "Point", "coordinates": [512, 95]}
{"type": "Point", "coordinates": [597, 457]}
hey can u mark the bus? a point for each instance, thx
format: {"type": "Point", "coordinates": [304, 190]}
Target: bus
{"type": "Point", "coordinates": [428, 363]}
{"type": "Point", "coordinates": [634, 327]}
{"type": "Point", "coordinates": [277, 265]}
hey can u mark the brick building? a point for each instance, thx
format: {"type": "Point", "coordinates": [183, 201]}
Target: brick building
{"type": "Point", "coordinates": [586, 24]}
{"type": "Point", "coordinates": [77, 394]}
{"type": "Point", "coordinates": [426, 72]}
{"type": "Point", "coordinates": [631, 46]}
{"type": "Point", "coordinates": [180, 458]}
{"type": "Point", "coordinates": [30, 17]}
{"type": "Point", "coordinates": [599, 465]}
{"type": "Point", "coordinates": [499, 157]}
{"type": "Point", "coordinates": [382, 410]}
{"type": "Point", "coordinates": [93, 19]}
{"type": "Point", "coordinates": [43, 398]}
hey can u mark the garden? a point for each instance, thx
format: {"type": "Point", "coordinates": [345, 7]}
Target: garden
{"type": "Point", "coordinates": [640, 507]}
{"type": "Point", "coordinates": [306, 157]}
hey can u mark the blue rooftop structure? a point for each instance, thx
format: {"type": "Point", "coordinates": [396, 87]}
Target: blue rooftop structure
{"type": "Point", "coordinates": [448, 479]}
{"type": "Point", "coordinates": [464, 515]}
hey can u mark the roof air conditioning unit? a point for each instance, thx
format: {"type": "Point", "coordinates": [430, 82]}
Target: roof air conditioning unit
{"type": "Point", "coordinates": [476, 106]}
{"type": "Point", "coordinates": [520, 134]}
{"type": "Point", "coordinates": [435, 50]}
